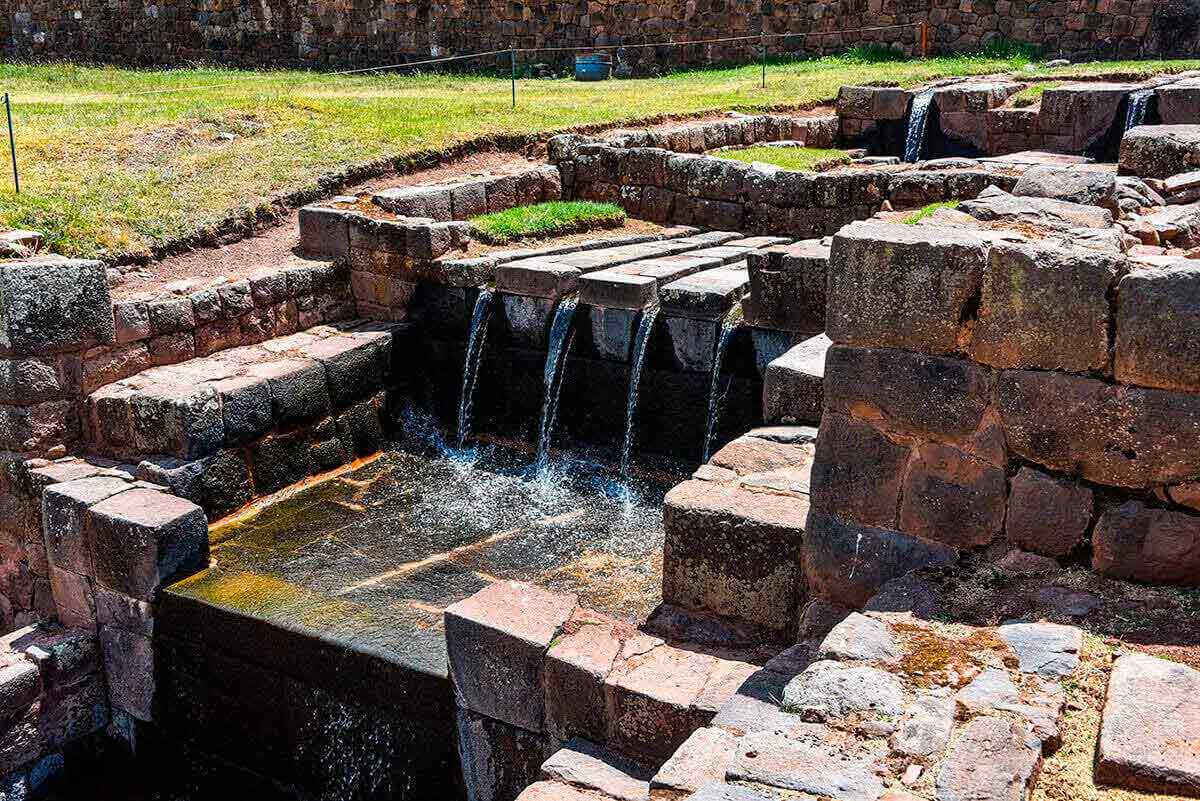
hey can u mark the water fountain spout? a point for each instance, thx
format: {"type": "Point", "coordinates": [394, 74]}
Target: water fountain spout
{"type": "Point", "coordinates": [645, 328]}
{"type": "Point", "coordinates": [729, 325]}
{"type": "Point", "coordinates": [918, 123]}
{"type": "Point", "coordinates": [1138, 108]}
{"type": "Point", "coordinates": [561, 338]}
{"type": "Point", "coordinates": [476, 341]}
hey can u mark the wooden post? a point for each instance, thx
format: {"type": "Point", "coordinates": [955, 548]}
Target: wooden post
{"type": "Point", "coordinates": [924, 39]}
{"type": "Point", "coordinates": [512, 62]}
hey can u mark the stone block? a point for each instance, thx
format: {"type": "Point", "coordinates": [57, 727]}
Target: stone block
{"type": "Point", "coordinates": [1155, 546]}
{"type": "Point", "coordinates": [498, 760]}
{"type": "Point", "coordinates": [703, 758]}
{"type": "Point", "coordinates": [1158, 327]}
{"type": "Point", "coordinates": [787, 287]}
{"type": "Point", "coordinates": [74, 599]}
{"type": "Point", "coordinates": [909, 393]}
{"type": "Point", "coordinates": [902, 286]}
{"type": "Point", "coordinates": [175, 419]}
{"type": "Point", "coordinates": [951, 497]}
{"type": "Point", "coordinates": [1179, 102]}
{"type": "Point", "coordinates": [1025, 318]}
{"type": "Point", "coordinates": [585, 765]}
{"type": "Point", "coordinates": [324, 232]}
{"type": "Point", "coordinates": [857, 472]}
{"type": "Point", "coordinates": [103, 366]}
{"type": "Point", "coordinates": [540, 278]}
{"type": "Point", "coordinates": [576, 665]}
{"type": "Point", "coordinates": [1047, 515]}
{"type": "Point", "coordinates": [246, 407]}
{"type": "Point", "coordinates": [706, 295]}
{"type": "Point", "coordinates": [734, 553]}
{"type": "Point", "coordinates": [225, 483]}
{"type": "Point", "coordinates": [129, 670]}
{"type": "Point", "coordinates": [496, 640]}
{"type": "Point", "coordinates": [847, 563]}
{"type": "Point", "coordinates": [1084, 112]}
{"type": "Point", "coordinates": [994, 205]}
{"type": "Point", "coordinates": [693, 342]}
{"type": "Point", "coordinates": [52, 305]}
{"type": "Point", "coordinates": [993, 757]}
{"type": "Point", "coordinates": [1113, 435]}
{"type": "Point", "coordinates": [651, 700]}
{"type": "Point", "coordinates": [415, 201]}
{"type": "Point", "coordinates": [64, 519]}
{"type": "Point", "coordinates": [793, 383]}
{"type": "Point", "coordinates": [800, 767]}
{"type": "Point", "coordinates": [299, 389]}
{"type": "Point", "coordinates": [20, 687]}
{"type": "Point", "coordinates": [26, 381]}
{"type": "Point", "coordinates": [1047, 649]}
{"type": "Point", "coordinates": [1074, 185]}
{"type": "Point", "coordinates": [873, 103]}
{"type": "Point", "coordinates": [1148, 734]}
{"type": "Point", "coordinates": [114, 610]}
{"type": "Point", "coordinates": [143, 537]}
{"type": "Point", "coordinates": [132, 321]}
{"type": "Point", "coordinates": [1160, 151]}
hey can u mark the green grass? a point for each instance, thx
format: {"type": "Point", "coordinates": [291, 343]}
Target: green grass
{"type": "Point", "coordinates": [1032, 95]}
{"type": "Point", "coordinates": [545, 220]}
{"type": "Point", "coordinates": [110, 171]}
{"type": "Point", "coordinates": [804, 159]}
{"type": "Point", "coordinates": [922, 214]}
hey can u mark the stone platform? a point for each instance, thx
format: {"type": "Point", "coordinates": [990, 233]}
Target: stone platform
{"type": "Point", "coordinates": [327, 604]}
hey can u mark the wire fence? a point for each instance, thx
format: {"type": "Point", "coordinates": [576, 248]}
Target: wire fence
{"type": "Point", "coordinates": [513, 53]}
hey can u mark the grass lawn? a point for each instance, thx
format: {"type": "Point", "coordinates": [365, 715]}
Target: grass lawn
{"type": "Point", "coordinates": [107, 171]}
{"type": "Point", "coordinates": [546, 219]}
{"type": "Point", "coordinates": [789, 158]}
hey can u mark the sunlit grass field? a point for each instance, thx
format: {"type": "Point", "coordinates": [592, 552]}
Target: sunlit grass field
{"type": "Point", "coordinates": [111, 165]}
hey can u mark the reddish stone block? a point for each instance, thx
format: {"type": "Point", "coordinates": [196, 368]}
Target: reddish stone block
{"type": "Point", "coordinates": [951, 497]}
{"type": "Point", "coordinates": [576, 666]}
{"type": "Point", "coordinates": [1158, 327]}
{"type": "Point", "coordinates": [497, 640]}
{"type": "Point", "coordinates": [857, 471]}
{"type": "Point", "coordinates": [652, 698]}
{"type": "Point", "coordinates": [1155, 546]}
{"type": "Point", "coordinates": [1047, 515]}
{"type": "Point", "coordinates": [129, 670]}
{"type": "Point", "coordinates": [74, 599]}
{"type": "Point", "coordinates": [64, 511]}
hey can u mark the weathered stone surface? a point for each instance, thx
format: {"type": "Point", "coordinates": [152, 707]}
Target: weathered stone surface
{"type": "Point", "coordinates": [51, 305]}
{"type": "Point", "coordinates": [651, 699]}
{"type": "Point", "coordinates": [857, 472]}
{"type": "Point", "coordinates": [734, 552]}
{"type": "Point", "coordinates": [552, 791]}
{"type": "Point", "coordinates": [720, 791]}
{"type": "Point", "coordinates": [787, 287]}
{"type": "Point", "coordinates": [1047, 515]}
{"type": "Point", "coordinates": [499, 760]}
{"type": "Point", "coordinates": [1158, 327]}
{"type": "Point", "coordinates": [64, 517]}
{"type": "Point", "coordinates": [703, 758]}
{"type": "Point", "coordinates": [1086, 187]}
{"type": "Point", "coordinates": [576, 665]}
{"type": "Point", "coordinates": [1156, 546]}
{"type": "Point", "coordinates": [909, 393]}
{"type": "Point", "coordinates": [847, 563]}
{"type": "Point", "coordinates": [1046, 649]}
{"type": "Point", "coordinates": [860, 637]}
{"type": "Point", "coordinates": [902, 286]}
{"type": "Point", "coordinates": [324, 232]}
{"type": "Point", "coordinates": [1024, 320]}
{"type": "Point", "coordinates": [588, 766]}
{"type": "Point", "coordinates": [1150, 736]}
{"type": "Point", "coordinates": [778, 761]}
{"type": "Point", "coordinates": [1160, 151]}
{"type": "Point", "coordinates": [949, 496]}
{"type": "Point", "coordinates": [792, 384]}
{"type": "Point", "coordinates": [142, 537]}
{"type": "Point", "coordinates": [1179, 101]}
{"type": "Point", "coordinates": [756, 706]}
{"type": "Point", "coordinates": [706, 295]}
{"type": "Point", "coordinates": [997, 206]}
{"type": "Point", "coordinates": [496, 641]}
{"type": "Point", "coordinates": [540, 278]}
{"type": "Point", "coordinates": [909, 593]}
{"type": "Point", "coordinates": [926, 727]}
{"type": "Point", "coordinates": [1119, 436]}
{"type": "Point", "coordinates": [994, 759]}
{"type": "Point", "coordinates": [833, 690]}
{"type": "Point", "coordinates": [129, 671]}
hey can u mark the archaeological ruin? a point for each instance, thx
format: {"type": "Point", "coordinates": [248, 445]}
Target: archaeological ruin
{"type": "Point", "coordinates": [875, 481]}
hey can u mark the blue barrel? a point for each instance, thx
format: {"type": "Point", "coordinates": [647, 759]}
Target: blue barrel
{"type": "Point", "coordinates": [593, 67]}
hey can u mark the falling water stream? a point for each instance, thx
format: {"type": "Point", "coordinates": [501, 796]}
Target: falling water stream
{"type": "Point", "coordinates": [731, 323]}
{"type": "Point", "coordinates": [475, 345]}
{"type": "Point", "coordinates": [645, 328]}
{"type": "Point", "coordinates": [918, 121]}
{"type": "Point", "coordinates": [561, 337]}
{"type": "Point", "coordinates": [1139, 106]}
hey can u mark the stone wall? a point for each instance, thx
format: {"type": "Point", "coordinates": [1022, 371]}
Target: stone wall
{"type": "Point", "coordinates": [324, 33]}
{"type": "Point", "coordinates": [970, 407]}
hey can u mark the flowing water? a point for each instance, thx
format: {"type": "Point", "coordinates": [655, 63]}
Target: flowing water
{"type": "Point", "coordinates": [715, 397]}
{"type": "Point", "coordinates": [918, 121]}
{"type": "Point", "coordinates": [476, 342]}
{"type": "Point", "coordinates": [645, 328]}
{"type": "Point", "coordinates": [1138, 108]}
{"type": "Point", "coordinates": [561, 337]}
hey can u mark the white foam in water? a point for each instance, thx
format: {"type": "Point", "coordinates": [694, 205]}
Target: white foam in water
{"type": "Point", "coordinates": [1139, 106]}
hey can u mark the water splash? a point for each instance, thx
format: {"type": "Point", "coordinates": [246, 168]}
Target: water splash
{"type": "Point", "coordinates": [561, 338]}
{"type": "Point", "coordinates": [645, 328]}
{"type": "Point", "coordinates": [732, 322]}
{"type": "Point", "coordinates": [1138, 108]}
{"type": "Point", "coordinates": [918, 122]}
{"type": "Point", "coordinates": [476, 341]}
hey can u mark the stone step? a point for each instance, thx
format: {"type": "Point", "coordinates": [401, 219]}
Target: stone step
{"type": "Point", "coordinates": [787, 286]}
{"type": "Point", "coordinates": [793, 383]}
{"type": "Point", "coordinates": [587, 766]}
{"type": "Point", "coordinates": [635, 286]}
{"type": "Point", "coordinates": [694, 308]}
{"type": "Point", "coordinates": [278, 411]}
{"type": "Point", "coordinates": [735, 531]}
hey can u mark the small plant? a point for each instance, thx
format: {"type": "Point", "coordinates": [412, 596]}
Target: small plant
{"type": "Point", "coordinates": [801, 159]}
{"type": "Point", "coordinates": [1032, 95]}
{"type": "Point", "coordinates": [873, 53]}
{"type": "Point", "coordinates": [544, 220]}
{"type": "Point", "coordinates": [927, 212]}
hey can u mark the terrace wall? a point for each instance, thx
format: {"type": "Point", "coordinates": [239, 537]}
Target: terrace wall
{"type": "Point", "coordinates": [325, 33]}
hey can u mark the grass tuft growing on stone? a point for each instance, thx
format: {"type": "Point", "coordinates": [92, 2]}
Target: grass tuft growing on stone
{"type": "Point", "coordinates": [927, 212]}
{"type": "Point", "coordinates": [802, 159]}
{"type": "Point", "coordinates": [1032, 95]}
{"type": "Point", "coordinates": [543, 220]}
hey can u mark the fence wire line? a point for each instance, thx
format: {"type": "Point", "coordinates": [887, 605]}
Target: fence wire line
{"type": "Point", "coordinates": [513, 52]}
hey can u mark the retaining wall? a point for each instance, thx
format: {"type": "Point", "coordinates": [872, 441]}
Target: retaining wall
{"type": "Point", "coordinates": [323, 33]}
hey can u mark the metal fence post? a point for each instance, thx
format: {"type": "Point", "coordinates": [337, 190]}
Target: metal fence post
{"type": "Point", "coordinates": [512, 62]}
{"type": "Point", "coordinates": [12, 143]}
